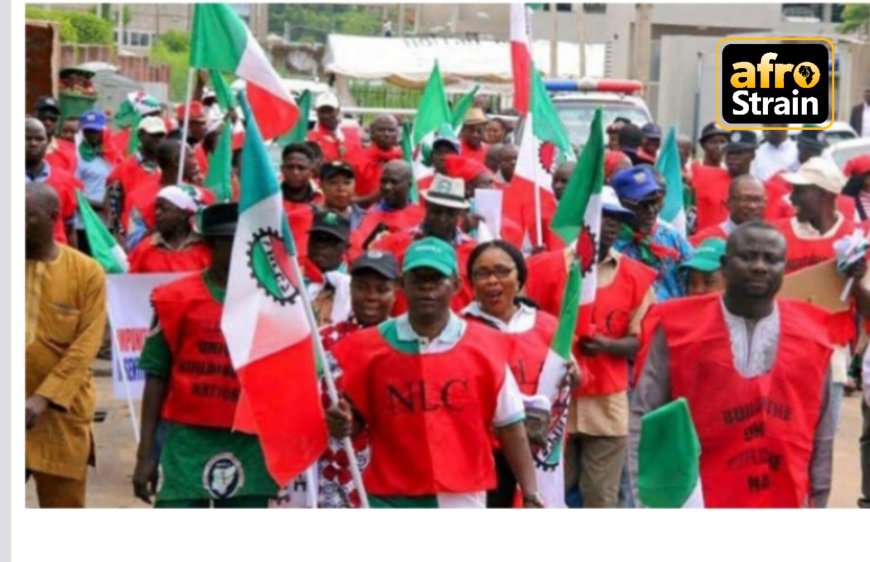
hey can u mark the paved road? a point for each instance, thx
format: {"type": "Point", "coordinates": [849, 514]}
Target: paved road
{"type": "Point", "coordinates": [109, 484]}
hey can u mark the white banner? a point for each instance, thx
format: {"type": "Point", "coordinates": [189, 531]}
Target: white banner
{"type": "Point", "coordinates": [130, 314]}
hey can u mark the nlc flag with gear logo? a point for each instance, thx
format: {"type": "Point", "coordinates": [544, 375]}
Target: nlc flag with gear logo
{"type": "Point", "coordinates": [544, 144]}
{"type": "Point", "coordinates": [578, 218]}
{"type": "Point", "coordinates": [266, 325]}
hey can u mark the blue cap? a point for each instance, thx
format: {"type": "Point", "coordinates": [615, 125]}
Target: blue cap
{"type": "Point", "coordinates": [652, 131]}
{"type": "Point", "coordinates": [92, 120]}
{"type": "Point", "coordinates": [635, 183]}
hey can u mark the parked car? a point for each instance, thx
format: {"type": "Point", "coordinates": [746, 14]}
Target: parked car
{"type": "Point", "coordinates": [845, 150]}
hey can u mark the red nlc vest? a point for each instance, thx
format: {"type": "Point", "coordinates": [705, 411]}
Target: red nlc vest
{"type": "Point", "coordinates": [203, 388]}
{"type": "Point", "coordinates": [756, 433]}
{"type": "Point", "coordinates": [801, 253]}
{"type": "Point", "coordinates": [530, 349]}
{"type": "Point", "coordinates": [428, 416]}
{"type": "Point", "coordinates": [614, 306]}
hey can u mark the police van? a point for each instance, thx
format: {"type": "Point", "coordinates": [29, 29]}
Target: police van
{"type": "Point", "coordinates": [575, 102]}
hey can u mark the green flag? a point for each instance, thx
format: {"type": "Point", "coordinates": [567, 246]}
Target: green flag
{"type": "Point", "coordinates": [433, 109]}
{"type": "Point", "coordinates": [220, 166]}
{"type": "Point", "coordinates": [300, 130]}
{"type": "Point", "coordinates": [547, 124]}
{"type": "Point", "coordinates": [462, 106]}
{"type": "Point", "coordinates": [668, 163]}
{"type": "Point", "coordinates": [222, 90]}
{"type": "Point", "coordinates": [668, 465]}
{"type": "Point", "coordinates": [408, 156]}
{"type": "Point", "coordinates": [104, 248]}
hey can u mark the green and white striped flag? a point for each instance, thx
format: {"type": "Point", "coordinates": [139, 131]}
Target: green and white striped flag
{"type": "Point", "coordinates": [463, 104]}
{"type": "Point", "coordinates": [433, 112]}
{"type": "Point", "coordinates": [668, 164]}
{"type": "Point", "coordinates": [220, 166]}
{"type": "Point", "coordinates": [668, 466]}
{"type": "Point", "coordinates": [104, 248]}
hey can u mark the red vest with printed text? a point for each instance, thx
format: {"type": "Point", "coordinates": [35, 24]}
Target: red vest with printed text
{"type": "Point", "coordinates": [428, 416]}
{"type": "Point", "coordinates": [614, 306]}
{"type": "Point", "coordinates": [530, 349]}
{"type": "Point", "coordinates": [756, 433]}
{"type": "Point", "coordinates": [203, 388]}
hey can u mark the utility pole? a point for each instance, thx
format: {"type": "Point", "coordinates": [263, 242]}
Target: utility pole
{"type": "Point", "coordinates": [554, 42]}
{"type": "Point", "coordinates": [119, 14]}
{"type": "Point", "coordinates": [581, 38]}
{"type": "Point", "coordinates": [642, 42]}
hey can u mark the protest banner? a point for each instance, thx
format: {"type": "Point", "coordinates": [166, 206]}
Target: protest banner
{"type": "Point", "coordinates": [130, 315]}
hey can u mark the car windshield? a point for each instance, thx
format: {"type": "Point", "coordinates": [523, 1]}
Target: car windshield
{"type": "Point", "coordinates": [577, 117]}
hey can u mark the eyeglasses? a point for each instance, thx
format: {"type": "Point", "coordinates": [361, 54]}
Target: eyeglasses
{"type": "Point", "coordinates": [499, 272]}
{"type": "Point", "coordinates": [644, 204]}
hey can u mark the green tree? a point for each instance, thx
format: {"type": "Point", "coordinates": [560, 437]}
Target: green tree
{"type": "Point", "coordinates": [856, 17]}
{"type": "Point", "coordinates": [90, 28]}
{"type": "Point", "coordinates": [173, 48]}
{"type": "Point", "coordinates": [66, 29]}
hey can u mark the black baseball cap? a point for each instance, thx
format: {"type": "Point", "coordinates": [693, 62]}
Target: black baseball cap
{"type": "Point", "coordinates": [741, 140]}
{"type": "Point", "coordinates": [813, 139]}
{"type": "Point", "coordinates": [382, 263]}
{"type": "Point", "coordinates": [47, 103]}
{"type": "Point", "coordinates": [219, 219]}
{"type": "Point", "coordinates": [329, 222]}
{"type": "Point", "coordinates": [712, 129]}
{"type": "Point", "coordinates": [336, 167]}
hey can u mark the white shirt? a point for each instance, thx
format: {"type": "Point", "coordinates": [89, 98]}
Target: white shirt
{"type": "Point", "coordinates": [865, 122]}
{"type": "Point", "coordinates": [771, 159]}
{"type": "Point", "coordinates": [753, 343]}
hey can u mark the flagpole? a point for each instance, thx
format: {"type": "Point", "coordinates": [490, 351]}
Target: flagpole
{"type": "Point", "coordinates": [346, 443]}
{"type": "Point", "coordinates": [538, 220]}
{"type": "Point", "coordinates": [186, 125]}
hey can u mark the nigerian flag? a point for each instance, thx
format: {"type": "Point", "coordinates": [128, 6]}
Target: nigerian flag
{"type": "Point", "coordinates": [266, 325]}
{"type": "Point", "coordinates": [668, 164]}
{"type": "Point", "coordinates": [577, 218]}
{"type": "Point", "coordinates": [668, 466]}
{"type": "Point", "coordinates": [433, 112]}
{"type": "Point", "coordinates": [220, 166]}
{"type": "Point", "coordinates": [463, 104]}
{"type": "Point", "coordinates": [104, 248]}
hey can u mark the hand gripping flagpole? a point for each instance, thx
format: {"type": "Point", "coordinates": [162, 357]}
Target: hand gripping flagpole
{"type": "Point", "coordinates": [346, 443]}
{"type": "Point", "coordinates": [186, 125]}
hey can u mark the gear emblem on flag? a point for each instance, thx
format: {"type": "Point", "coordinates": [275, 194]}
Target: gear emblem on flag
{"type": "Point", "coordinates": [548, 156]}
{"type": "Point", "coordinates": [587, 250]}
{"type": "Point", "coordinates": [269, 264]}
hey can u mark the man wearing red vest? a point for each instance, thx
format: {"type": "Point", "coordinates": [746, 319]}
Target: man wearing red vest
{"type": "Point", "coordinates": [335, 139]}
{"type": "Point", "coordinates": [810, 238]}
{"type": "Point", "coordinates": [298, 191]}
{"type": "Point", "coordinates": [192, 387]}
{"type": "Point", "coordinates": [598, 415]}
{"type": "Point", "coordinates": [445, 205]}
{"type": "Point", "coordinates": [37, 169]}
{"type": "Point", "coordinates": [471, 135]}
{"type": "Point", "coordinates": [61, 153]}
{"type": "Point", "coordinates": [755, 373]}
{"type": "Point", "coordinates": [746, 202]}
{"type": "Point", "coordinates": [196, 129]}
{"type": "Point", "coordinates": [369, 162]}
{"type": "Point", "coordinates": [394, 212]}
{"type": "Point", "coordinates": [430, 423]}
{"type": "Point", "coordinates": [134, 170]}
{"type": "Point", "coordinates": [711, 183]}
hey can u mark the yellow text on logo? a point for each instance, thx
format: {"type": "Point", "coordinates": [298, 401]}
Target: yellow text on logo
{"type": "Point", "coordinates": [805, 75]}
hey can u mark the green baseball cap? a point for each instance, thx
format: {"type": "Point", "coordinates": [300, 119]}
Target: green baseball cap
{"type": "Point", "coordinates": [431, 252]}
{"type": "Point", "coordinates": [707, 256]}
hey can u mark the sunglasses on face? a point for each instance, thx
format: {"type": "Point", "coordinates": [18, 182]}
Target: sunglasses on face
{"type": "Point", "coordinates": [500, 273]}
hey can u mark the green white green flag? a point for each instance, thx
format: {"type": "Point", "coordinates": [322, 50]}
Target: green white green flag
{"type": "Point", "coordinates": [104, 248]}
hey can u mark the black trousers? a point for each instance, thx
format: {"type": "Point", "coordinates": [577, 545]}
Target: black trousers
{"type": "Point", "coordinates": [506, 487]}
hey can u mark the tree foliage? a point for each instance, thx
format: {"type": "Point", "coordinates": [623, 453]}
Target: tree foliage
{"type": "Point", "coordinates": [314, 21]}
{"type": "Point", "coordinates": [84, 28]}
{"type": "Point", "coordinates": [173, 48]}
{"type": "Point", "coordinates": [856, 17]}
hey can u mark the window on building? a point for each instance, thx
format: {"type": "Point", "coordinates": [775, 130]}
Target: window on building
{"type": "Point", "coordinates": [595, 8]}
{"type": "Point", "coordinates": [559, 7]}
{"type": "Point", "coordinates": [813, 11]}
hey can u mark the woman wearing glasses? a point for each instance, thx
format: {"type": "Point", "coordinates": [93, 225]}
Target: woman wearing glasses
{"type": "Point", "coordinates": [497, 271]}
